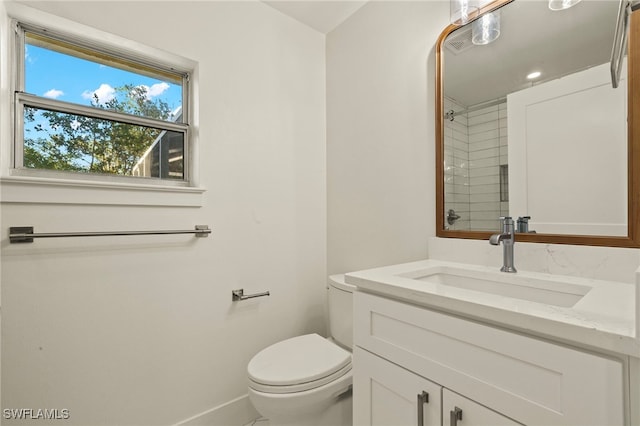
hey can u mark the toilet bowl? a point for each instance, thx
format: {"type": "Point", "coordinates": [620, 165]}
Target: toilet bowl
{"type": "Point", "coordinates": [306, 380]}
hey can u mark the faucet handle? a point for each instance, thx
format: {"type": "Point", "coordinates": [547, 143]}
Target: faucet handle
{"type": "Point", "coordinates": [523, 224]}
{"type": "Point", "coordinates": [507, 224]}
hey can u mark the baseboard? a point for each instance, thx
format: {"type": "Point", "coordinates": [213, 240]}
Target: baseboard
{"type": "Point", "coordinates": [236, 412]}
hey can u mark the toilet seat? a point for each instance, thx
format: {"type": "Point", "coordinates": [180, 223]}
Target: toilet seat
{"type": "Point", "coordinates": [298, 364]}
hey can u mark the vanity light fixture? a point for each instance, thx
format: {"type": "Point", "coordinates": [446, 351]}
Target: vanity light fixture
{"type": "Point", "coordinates": [533, 75]}
{"type": "Point", "coordinates": [462, 10]}
{"type": "Point", "coordinates": [562, 4]}
{"type": "Point", "coordinates": [486, 28]}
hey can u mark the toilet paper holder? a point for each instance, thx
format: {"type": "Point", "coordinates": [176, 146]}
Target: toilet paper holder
{"type": "Point", "coordinates": [238, 294]}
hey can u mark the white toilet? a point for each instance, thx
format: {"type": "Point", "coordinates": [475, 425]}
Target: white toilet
{"type": "Point", "coordinates": [306, 380]}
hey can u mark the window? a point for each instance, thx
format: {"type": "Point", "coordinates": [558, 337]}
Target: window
{"type": "Point", "coordinates": [87, 110]}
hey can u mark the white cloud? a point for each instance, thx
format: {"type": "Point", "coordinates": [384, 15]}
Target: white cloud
{"type": "Point", "coordinates": [53, 94]}
{"type": "Point", "coordinates": [27, 58]}
{"type": "Point", "coordinates": [105, 93]}
{"type": "Point", "coordinates": [155, 89]}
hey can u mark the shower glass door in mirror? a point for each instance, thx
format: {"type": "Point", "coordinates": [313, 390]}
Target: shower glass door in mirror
{"type": "Point", "coordinates": [532, 126]}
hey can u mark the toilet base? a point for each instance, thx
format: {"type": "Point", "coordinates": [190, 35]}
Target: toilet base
{"type": "Point", "coordinates": [339, 413]}
{"type": "Point", "coordinates": [328, 405]}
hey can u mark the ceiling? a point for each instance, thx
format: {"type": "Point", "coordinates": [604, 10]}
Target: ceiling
{"type": "Point", "coordinates": [533, 38]}
{"type": "Point", "coordinates": [321, 15]}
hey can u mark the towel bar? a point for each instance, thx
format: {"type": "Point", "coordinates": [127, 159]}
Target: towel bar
{"type": "Point", "coordinates": [24, 234]}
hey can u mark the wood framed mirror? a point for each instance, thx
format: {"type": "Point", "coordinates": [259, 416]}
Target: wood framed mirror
{"type": "Point", "coordinates": [509, 146]}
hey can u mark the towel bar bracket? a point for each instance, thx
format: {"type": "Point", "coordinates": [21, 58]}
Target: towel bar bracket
{"type": "Point", "coordinates": [204, 231]}
{"type": "Point", "coordinates": [20, 234]}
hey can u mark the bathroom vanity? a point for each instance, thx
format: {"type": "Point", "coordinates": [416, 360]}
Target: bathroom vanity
{"type": "Point", "coordinates": [452, 340]}
{"type": "Point", "coordinates": [445, 343]}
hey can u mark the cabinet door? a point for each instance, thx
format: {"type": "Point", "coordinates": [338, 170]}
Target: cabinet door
{"type": "Point", "coordinates": [460, 411]}
{"type": "Point", "coordinates": [387, 395]}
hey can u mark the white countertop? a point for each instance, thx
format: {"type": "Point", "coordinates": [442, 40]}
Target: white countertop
{"type": "Point", "coordinates": [604, 318]}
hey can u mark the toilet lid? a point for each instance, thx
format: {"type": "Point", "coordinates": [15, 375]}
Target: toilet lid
{"type": "Point", "coordinates": [301, 359]}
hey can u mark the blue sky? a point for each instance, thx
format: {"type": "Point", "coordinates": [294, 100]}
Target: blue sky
{"type": "Point", "coordinates": [67, 78]}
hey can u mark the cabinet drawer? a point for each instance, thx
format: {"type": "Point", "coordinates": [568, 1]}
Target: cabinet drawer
{"type": "Point", "coordinates": [532, 381]}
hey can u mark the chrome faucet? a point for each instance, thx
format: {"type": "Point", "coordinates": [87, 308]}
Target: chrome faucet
{"type": "Point", "coordinates": [508, 239]}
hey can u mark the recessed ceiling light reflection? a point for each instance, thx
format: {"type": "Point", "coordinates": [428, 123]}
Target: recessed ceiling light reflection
{"type": "Point", "coordinates": [562, 4]}
{"type": "Point", "coordinates": [533, 75]}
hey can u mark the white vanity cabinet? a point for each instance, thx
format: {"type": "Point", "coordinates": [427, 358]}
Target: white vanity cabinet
{"type": "Point", "coordinates": [387, 394]}
{"type": "Point", "coordinates": [494, 376]}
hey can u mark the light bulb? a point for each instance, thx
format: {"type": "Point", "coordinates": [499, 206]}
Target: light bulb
{"type": "Point", "coordinates": [462, 10]}
{"type": "Point", "coordinates": [486, 28]}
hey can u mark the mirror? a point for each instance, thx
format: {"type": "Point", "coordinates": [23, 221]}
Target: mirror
{"type": "Point", "coordinates": [557, 147]}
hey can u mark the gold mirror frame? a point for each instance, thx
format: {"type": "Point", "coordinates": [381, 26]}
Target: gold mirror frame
{"type": "Point", "coordinates": [633, 148]}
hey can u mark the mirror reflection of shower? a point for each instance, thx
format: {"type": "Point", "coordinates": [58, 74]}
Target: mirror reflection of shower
{"type": "Point", "coordinates": [475, 139]}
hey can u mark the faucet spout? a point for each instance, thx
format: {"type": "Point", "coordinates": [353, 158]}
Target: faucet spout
{"type": "Point", "coordinates": [495, 239]}
{"type": "Point", "coordinates": [507, 237]}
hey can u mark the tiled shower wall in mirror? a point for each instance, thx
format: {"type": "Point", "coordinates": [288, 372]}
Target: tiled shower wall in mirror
{"type": "Point", "coordinates": [475, 149]}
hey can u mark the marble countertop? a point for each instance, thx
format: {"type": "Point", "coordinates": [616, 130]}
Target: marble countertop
{"type": "Point", "coordinates": [603, 319]}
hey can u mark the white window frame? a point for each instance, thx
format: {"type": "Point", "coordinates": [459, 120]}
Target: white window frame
{"type": "Point", "coordinates": [19, 184]}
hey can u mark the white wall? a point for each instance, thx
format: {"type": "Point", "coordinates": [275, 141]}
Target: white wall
{"type": "Point", "coordinates": [142, 330]}
{"type": "Point", "coordinates": [380, 134]}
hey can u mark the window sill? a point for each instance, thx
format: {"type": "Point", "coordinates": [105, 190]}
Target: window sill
{"type": "Point", "coordinates": [38, 190]}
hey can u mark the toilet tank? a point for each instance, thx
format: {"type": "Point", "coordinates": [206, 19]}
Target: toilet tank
{"type": "Point", "coordinates": [341, 310]}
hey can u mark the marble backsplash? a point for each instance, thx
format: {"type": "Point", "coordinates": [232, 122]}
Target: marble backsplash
{"type": "Point", "coordinates": [602, 263]}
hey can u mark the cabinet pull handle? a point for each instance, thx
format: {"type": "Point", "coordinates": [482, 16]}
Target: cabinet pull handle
{"type": "Point", "coordinates": [423, 398]}
{"type": "Point", "coordinates": [455, 415]}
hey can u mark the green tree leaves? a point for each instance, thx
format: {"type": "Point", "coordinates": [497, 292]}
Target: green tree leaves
{"type": "Point", "coordinates": [85, 144]}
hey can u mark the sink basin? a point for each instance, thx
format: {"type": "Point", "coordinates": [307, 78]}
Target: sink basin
{"type": "Point", "coordinates": [547, 291]}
